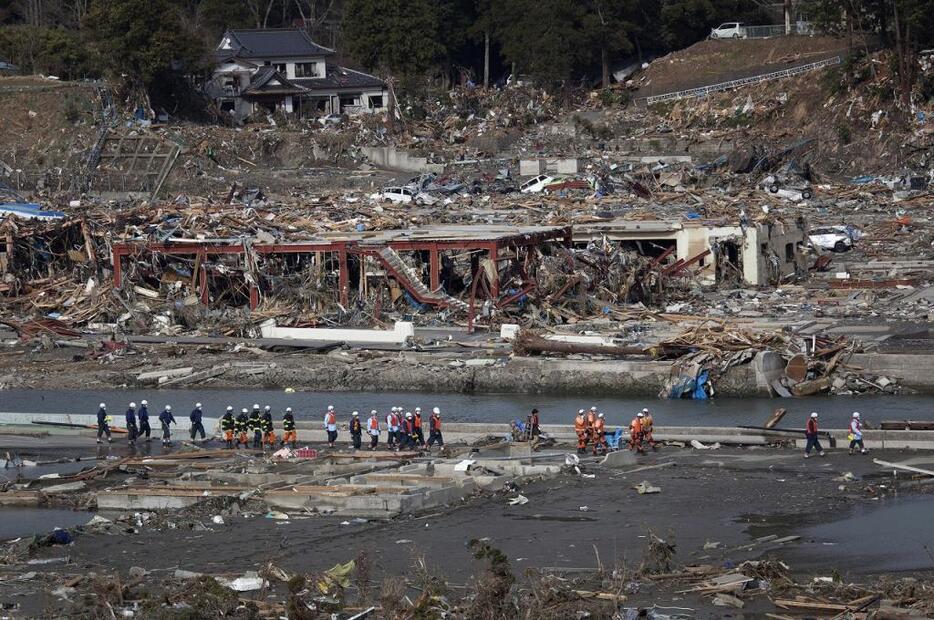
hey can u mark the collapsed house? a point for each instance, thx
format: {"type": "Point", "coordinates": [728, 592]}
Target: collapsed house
{"type": "Point", "coordinates": [756, 254]}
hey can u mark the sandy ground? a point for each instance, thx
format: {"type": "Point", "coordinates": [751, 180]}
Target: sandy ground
{"type": "Point", "coordinates": [727, 496]}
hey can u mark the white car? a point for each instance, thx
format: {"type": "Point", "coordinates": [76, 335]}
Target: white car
{"type": "Point", "coordinates": [398, 195]}
{"type": "Point", "coordinates": [536, 184]}
{"type": "Point", "coordinates": [729, 30]}
{"type": "Point", "coordinates": [835, 238]}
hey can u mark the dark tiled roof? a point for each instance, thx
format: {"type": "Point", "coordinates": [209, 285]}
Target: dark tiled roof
{"type": "Point", "coordinates": [341, 77]}
{"type": "Point", "coordinates": [272, 43]}
{"type": "Point", "coordinates": [260, 83]}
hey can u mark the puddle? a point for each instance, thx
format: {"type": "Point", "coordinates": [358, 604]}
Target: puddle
{"type": "Point", "coordinates": [894, 534]}
{"type": "Point", "coordinates": [19, 522]}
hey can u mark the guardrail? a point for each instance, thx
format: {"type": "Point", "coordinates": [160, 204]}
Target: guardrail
{"type": "Point", "coordinates": [703, 91]}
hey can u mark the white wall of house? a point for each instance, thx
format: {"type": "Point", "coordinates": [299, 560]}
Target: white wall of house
{"type": "Point", "coordinates": [290, 65]}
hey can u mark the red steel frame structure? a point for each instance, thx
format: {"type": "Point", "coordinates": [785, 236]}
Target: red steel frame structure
{"type": "Point", "coordinates": [343, 248]}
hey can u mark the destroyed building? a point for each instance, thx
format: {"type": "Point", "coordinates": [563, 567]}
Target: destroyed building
{"type": "Point", "coordinates": [757, 254]}
{"type": "Point", "coordinates": [283, 70]}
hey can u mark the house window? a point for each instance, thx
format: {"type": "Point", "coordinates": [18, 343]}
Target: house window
{"type": "Point", "coordinates": [376, 101]}
{"type": "Point", "coordinates": [789, 252]}
{"type": "Point", "coordinates": [349, 102]}
{"type": "Point", "coordinates": [280, 67]}
{"type": "Point", "coordinates": [306, 70]}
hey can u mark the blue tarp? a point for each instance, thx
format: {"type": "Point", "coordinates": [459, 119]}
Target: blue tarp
{"type": "Point", "coordinates": [28, 211]}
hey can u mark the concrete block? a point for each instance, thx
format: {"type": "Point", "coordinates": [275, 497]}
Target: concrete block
{"type": "Point", "coordinates": [620, 458]}
{"type": "Point", "coordinates": [530, 167]}
{"type": "Point", "coordinates": [566, 166]}
{"type": "Point", "coordinates": [400, 333]}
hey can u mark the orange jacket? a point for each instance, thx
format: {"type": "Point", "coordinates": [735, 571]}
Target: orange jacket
{"type": "Point", "coordinates": [647, 422]}
{"type": "Point", "coordinates": [635, 427]}
{"type": "Point", "coordinates": [599, 425]}
{"type": "Point", "coordinates": [591, 418]}
{"type": "Point", "coordinates": [331, 418]}
{"type": "Point", "coordinates": [418, 420]}
{"type": "Point", "coordinates": [580, 425]}
{"type": "Point", "coordinates": [434, 423]}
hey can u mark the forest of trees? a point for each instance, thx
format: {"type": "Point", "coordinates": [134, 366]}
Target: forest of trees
{"type": "Point", "coordinates": [554, 42]}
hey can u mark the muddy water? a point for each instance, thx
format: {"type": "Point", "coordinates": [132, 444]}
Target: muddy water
{"type": "Point", "coordinates": [20, 522]}
{"type": "Point", "coordinates": [894, 534]}
{"type": "Point", "coordinates": [835, 412]}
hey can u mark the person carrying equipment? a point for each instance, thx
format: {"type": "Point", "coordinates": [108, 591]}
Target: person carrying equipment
{"type": "Point", "coordinates": [242, 429]}
{"type": "Point", "coordinates": [407, 438]}
{"type": "Point", "coordinates": [856, 434]}
{"type": "Point", "coordinates": [103, 423]}
{"type": "Point", "coordinates": [580, 427]}
{"type": "Point", "coordinates": [289, 436]}
{"type": "Point", "coordinates": [144, 428]}
{"type": "Point", "coordinates": [356, 429]}
{"type": "Point", "coordinates": [228, 425]}
{"type": "Point", "coordinates": [166, 418]}
{"type": "Point", "coordinates": [434, 428]}
{"type": "Point", "coordinates": [197, 426]}
{"type": "Point", "coordinates": [372, 428]}
{"type": "Point", "coordinates": [419, 434]}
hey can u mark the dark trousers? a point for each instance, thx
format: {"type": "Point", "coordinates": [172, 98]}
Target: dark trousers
{"type": "Point", "coordinates": [257, 438]}
{"type": "Point", "coordinates": [392, 438]}
{"type": "Point", "coordinates": [405, 441]}
{"type": "Point", "coordinates": [131, 432]}
{"type": "Point", "coordinates": [196, 428]}
{"type": "Point", "coordinates": [103, 429]}
{"type": "Point", "coordinates": [374, 440]}
{"type": "Point", "coordinates": [855, 443]}
{"type": "Point", "coordinates": [332, 436]}
{"type": "Point", "coordinates": [435, 436]}
{"type": "Point", "coordinates": [812, 443]}
{"type": "Point", "coordinates": [144, 428]}
{"type": "Point", "coordinates": [420, 435]}
{"type": "Point", "coordinates": [166, 433]}
{"type": "Point", "coordinates": [356, 438]}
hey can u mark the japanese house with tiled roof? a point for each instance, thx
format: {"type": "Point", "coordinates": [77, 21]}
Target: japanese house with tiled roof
{"type": "Point", "coordinates": [283, 70]}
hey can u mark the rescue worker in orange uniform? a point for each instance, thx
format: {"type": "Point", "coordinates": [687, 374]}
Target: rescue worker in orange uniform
{"type": "Point", "coordinates": [242, 428]}
{"type": "Point", "coordinates": [635, 433]}
{"type": "Point", "coordinates": [289, 435]}
{"type": "Point", "coordinates": [647, 423]}
{"type": "Point", "coordinates": [419, 433]}
{"type": "Point", "coordinates": [580, 427]}
{"type": "Point", "coordinates": [599, 435]}
{"type": "Point", "coordinates": [228, 424]}
{"type": "Point", "coordinates": [591, 420]}
{"type": "Point", "coordinates": [434, 428]}
{"type": "Point", "coordinates": [269, 434]}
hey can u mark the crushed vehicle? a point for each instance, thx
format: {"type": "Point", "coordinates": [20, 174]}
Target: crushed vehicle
{"type": "Point", "coordinates": [536, 184]}
{"type": "Point", "coordinates": [835, 238]}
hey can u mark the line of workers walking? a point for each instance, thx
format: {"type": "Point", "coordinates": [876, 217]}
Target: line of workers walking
{"type": "Point", "coordinates": [405, 430]}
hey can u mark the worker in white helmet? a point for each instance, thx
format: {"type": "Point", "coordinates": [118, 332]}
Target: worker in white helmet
{"type": "Point", "coordinates": [599, 435]}
{"type": "Point", "coordinates": [103, 423]}
{"type": "Point", "coordinates": [580, 427]}
{"type": "Point", "coordinates": [393, 424]}
{"type": "Point", "coordinates": [165, 419]}
{"type": "Point", "coordinates": [289, 435]}
{"type": "Point", "coordinates": [256, 426]}
{"type": "Point", "coordinates": [330, 425]}
{"type": "Point", "coordinates": [242, 428]}
{"type": "Point", "coordinates": [648, 426]}
{"type": "Point", "coordinates": [356, 430]}
{"type": "Point", "coordinates": [419, 433]}
{"type": "Point", "coordinates": [143, 415]}
{"type": "Point", "coordinates": [810, 433]}
{"type": "Point", "coordinates": [197, 425]}
{"type": "Point", "coordinates": [434, 429]}
{"type": "Point", "coordinates": [228, 427]}
{"type": "Point", "coordinates": [635, 433]}
{"type": "Point", "coordinates": [131, 428]}
{"type": "Point", "coordinates": [372, 429]}
{"type": "Point", "coordinates": [856, 434]}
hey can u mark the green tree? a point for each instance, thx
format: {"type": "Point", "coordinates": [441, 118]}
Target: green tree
{"type": "Point", "coordinates": [607, 28]}
{"type": "Point", "coordinates": [398, 36]}
{"type": "Point", "coordinates": [145, 40]}
{"type": "Point", "coordinates": [686, 21]}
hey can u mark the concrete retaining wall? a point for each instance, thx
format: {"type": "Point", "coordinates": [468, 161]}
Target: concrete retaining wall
{"type": "Point", "coordinates": [390, 157]}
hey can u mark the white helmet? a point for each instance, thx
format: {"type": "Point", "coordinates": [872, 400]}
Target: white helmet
{"type": "Point", "coordinates": [243, 410]}
{"type": "Point", "coordinates": [645, 410]}
{"type": "Point", "coordinates": [256, 405]}
{"type": "Point", "coordinates": [436, 410]}
{"type": "Point", "coordinates": [856, 414]}
{"type": "Point", "coordinates": [103, 405]}
{"type": "Point", "coordinates": [168, 407]}
{"type": "Point", "coordinates": [143, 402]}
{"type": "Point", "coordinates": [593, 408]}
{"type": "Point", "coordinates": [267, 408]}
{"type": "Point", "coordinates": [580, 411]}
{"type": "Point", "coordinates": [355, 414]}
{"type": "Point", "coordinates": [288, 410]}
{"type": "Point", "coordinates": [599, 415]}
{"type": "Point", "coordinates": [408, 415]}
{"type": "Point", "coordinates": [373, 412]}
{"type": "Point", "coordinates": [813, 414]}
{"type": "Point", "coordinates": [132, 405]}
{"type": "Point", "coordinates": [418, 409]}
{"type": "Point", "coordinates": [197, 405]}
{"type": "Point", "coordinates": [640, 415]}
{"type": "Point", "coordinates": [229, 408]}
{"type": "Point", "coordinates": [330, 407]}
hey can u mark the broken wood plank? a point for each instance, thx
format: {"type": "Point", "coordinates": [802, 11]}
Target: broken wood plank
{"type": "Point", "coordinates": [916, 470]}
